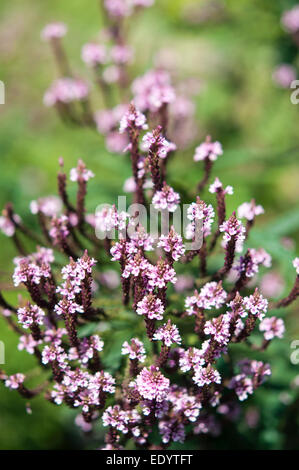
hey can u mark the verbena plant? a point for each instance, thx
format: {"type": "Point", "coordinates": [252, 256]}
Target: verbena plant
{"type": "Point", "coordinates": [180, 376]}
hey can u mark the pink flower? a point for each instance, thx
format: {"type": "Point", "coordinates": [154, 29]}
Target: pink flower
{"type": "Point", "coordinates": [53, 31]}
{"type": "Point", "coordinates": [157, 144]}
{"type": "Point", "coordinates": [135, 350]}
{"type": "Point", "coordinates": [242, 385]}
{"type": "Point", "coordinates": [28, 344]}
{"type": "Point", "coordinates": [118, 8]}
{"type": "Point", "coordinates": [211, 295]}
{"type": "Point", "coordinates": [249, 210]}
{"type": "Point", "coordinates": [160, 274]}
{"type": "Point", "coordinates": [66, 90]}
{"type": "Point", "coordinates": [151, 307]}
{"type": "Point", "coordinates": [256, 304]}
{"type": "Point", "coordinates": [30, 315]}
{"type": "Point", "coordinates": [217, 187]}
{"type": "Point", "coordinates": [206, 376]}
{"type": "Point", "coordinates": [152, 385]}
{"type": "Point", "coordinates": [7, 226]}
{"type": "Point", "coordinates": [132, 119]}
{"type": "Point", "coordinates": [219, 329]}
{"type": "Point", "coordinates": [284, 75]}
{"type": "Point", "coordinates": [49, 206]}
{"type": "Point", "coordinates": [153, 90]}
{"type": "Point", "coordinates": [172, 244]}
{"type": "Point", "coordinates": [80, 172]}
{"type": "Point", "coordinates": [166, 199]}
{"type": "Point", "coordinates": [168, 334]}
{"type": "Point", "coordinates": [172, 430]}
{"type": "Point", "coordinates": [94, 54]}
{"type": "Point", "coordinates": [60, 229]}
{"type": "Point", "coordinates": [272, 327]}
{"type": "Point", "coordinates": [296, 265]}
{"type": "Point", "coordinates": [208, 150]}
{"type": "Point", "coordinates": [201, 216]}
{"type": "Point", "coordinates": [14, 381]}
{"type": "Point", "coordinates": [121, 54]}
{"type": "Point", "coordinates": [190, 359]}
{"type": "Point", "coordinates": [233, 228]}
{"type": "Point", "coordinates": [290, 20]}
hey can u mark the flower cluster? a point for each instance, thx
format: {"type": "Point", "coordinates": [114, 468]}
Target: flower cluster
{"type": "Point", "coordinates": [175, 374]}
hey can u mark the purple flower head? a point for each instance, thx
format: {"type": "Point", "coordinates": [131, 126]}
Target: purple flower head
{"type": "Point", "coordinates": [7, 226]}
{"type": "Point", "coordinates": [161, 274]}
{"type": "Point", "coordinates": [102, 381]}
{"type": "Point", "coordinates": [121, 54]}
{"type": "Point", "coordinates": [115, 417]}
{"type": "Point", "coordinates": [30, 315]}
{"type": "Point", "coordinates": [256, 304]}
{"type": "Point", "coordinates": [172, 244]}
{"type": "Point", "coordinates": [172, 430]}
{"type": "Point", "coordinates": [290, 20]}
{"type": "Point", "coordinates": [242, 385]}
{"type": "Point", "coordinates": [59, 229]}
{"type": "Point", "coordinates": [151, 307]}
{"type": "Point", "coordinates": [219, 329]}
{"type": "Point", "coordinates": [190, 359]}
{"type": "Point", "coordinates": [217, 187]}
{"type": "Point", "coordinates": [118, 8]}
{"type": "Point", "coordinates": [153, 90]}
{"type": "Point", "coordinates": [208, 150]}
{"type": "Point", "coordinates": [284, 75]}
{"type": "Point", "coordinates": [272, 327]}
{"type": "Point", "coordinates": [211, 295]}
{"type": "Point", "coordinates": [109, 219]}
{"type": "Point", "coordinates": [132, 120]}
{"type": "Point", "coordinates": [94, 54]}
{"type": "Point", "coordinates": [86, 350]}
{"type": "Point", "coordinates": [54, 31]}
{"type": "Point", "coordinates": [183, 404]}
{"type": "Point", "coordinates": [54, 353]}
{"type": "Point", "coordinates": [233, 229]}
{"type": "Point", "coordinates": [81, 172]}
{"type": "Point", "coordinates": [157, 144]}
{"type": "Point", "coordinates": [201, 216]}
{"type": "Point", "coordinates": [152, 385]}
{"type": "Point", "coordinates": [33, 268]}
{"type": "Point", "coordinates": [166, 199]}
{"type": "Point", "coordinates": [27, 343]}
{"type": "Point", "coordinates": [14, 381]}
{"type": "Point", "coordinates": [134, 349]}
{"type": "Point", "coordinates": [65, 91]}
{"type": "Point", "coordinates": [249, 210]}
{"type": "Point", "coordinates": [206, 376]}
{"type": "Point", "coordinates": [168, 334]}
{"type": "Point", "coordinates": [50, 206]}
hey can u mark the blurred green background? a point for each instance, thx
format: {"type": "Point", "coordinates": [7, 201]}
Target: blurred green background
{"type": "Point", "coordinates": [233, 53]}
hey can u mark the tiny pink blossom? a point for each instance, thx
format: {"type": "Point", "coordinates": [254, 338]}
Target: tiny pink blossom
{"type": "Point", "coordinates": [14, 381]}
{"type": "Point", "coordinates": [54, 31]}
{"type": "Point", "coordinates": [152, 385]}
{"type": "Point", "coordinates": [94, 54]}
{"type": "Point", "coordinates": [166, 199]}
{"type": "Point", "coordinates": [168, 334]}
{"type": "Point", "coordinates": [249, 210]}
{"type": "Point", "coordinates": [134, 349]}
{"type": "Point", "coordinates": [272, 327]}
{"type": "Point", "coordinates": [208, 150]}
